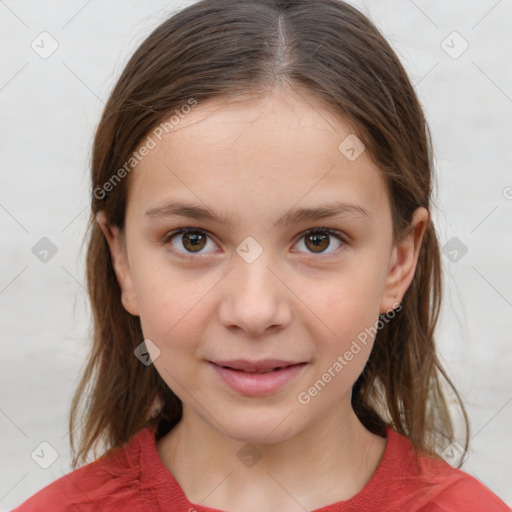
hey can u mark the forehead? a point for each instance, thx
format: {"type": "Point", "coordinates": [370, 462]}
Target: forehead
{"type": "Point", "coordinates": [277, 150]}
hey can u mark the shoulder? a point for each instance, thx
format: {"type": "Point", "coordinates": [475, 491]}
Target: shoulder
{"type": "Point", "coordinates": [114, 482]}
{"type": "Point", "coordinates": [462, 491]}
{"type": "Point", "coordinates": [424, 483]}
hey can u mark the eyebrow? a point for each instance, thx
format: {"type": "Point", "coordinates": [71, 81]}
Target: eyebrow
{"type": "Point", "coordinates": [331, 209]}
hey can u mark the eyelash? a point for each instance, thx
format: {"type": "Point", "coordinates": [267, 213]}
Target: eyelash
{"type": "Point", "coordinates": [316, 231]}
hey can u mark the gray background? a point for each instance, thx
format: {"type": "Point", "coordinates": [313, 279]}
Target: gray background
{"type": "Point", "coordinates": [49, 109]}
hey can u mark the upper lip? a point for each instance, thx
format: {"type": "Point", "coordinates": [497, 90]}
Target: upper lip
{"type": "Point", "coordinates": [266, 364]}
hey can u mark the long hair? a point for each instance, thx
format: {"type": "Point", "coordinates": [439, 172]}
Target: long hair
{"type": "Point", "coordinates": [328, 51]}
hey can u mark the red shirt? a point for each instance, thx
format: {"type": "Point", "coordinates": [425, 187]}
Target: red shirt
{"type": "Point", "coordinates": [133, 478]}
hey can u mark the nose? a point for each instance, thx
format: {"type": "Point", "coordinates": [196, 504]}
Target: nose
{"type": "Point", "coordinates": [254, 299]}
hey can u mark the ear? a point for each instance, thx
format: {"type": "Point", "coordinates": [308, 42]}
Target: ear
{"type": "Point", "coordinates": [403, 262]}
{"type": "Point", "coordinates": [120, 263]}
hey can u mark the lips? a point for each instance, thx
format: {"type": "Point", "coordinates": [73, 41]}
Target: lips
{"type": "Point", "coordinates": [264, 366]}
{"type": "Point", "coordinates": [257, 378]}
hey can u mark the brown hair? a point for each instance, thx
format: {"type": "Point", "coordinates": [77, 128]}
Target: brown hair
{"type": "Point", "coordinates": [230, 48]}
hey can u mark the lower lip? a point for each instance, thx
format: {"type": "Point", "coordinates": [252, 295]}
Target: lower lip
{"type": "Point", "coordinates": [257, 384]}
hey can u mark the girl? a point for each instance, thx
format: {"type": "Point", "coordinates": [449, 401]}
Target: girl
{"type": "Point", "coordinates": [265, 278]}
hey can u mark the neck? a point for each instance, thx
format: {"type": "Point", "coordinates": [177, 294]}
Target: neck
{"type": "Point", "coordinates": [330, 461]}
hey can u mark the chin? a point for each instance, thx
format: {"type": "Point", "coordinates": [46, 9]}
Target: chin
{"type": "Point", "coordinates": [259, 428]}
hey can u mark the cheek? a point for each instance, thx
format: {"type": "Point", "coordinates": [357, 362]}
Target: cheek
{"type": "Point", "coordinates": [168, 314]}
{"type": "Point", "coordinates": [346, 312]}
{"type": "Point", "coordinates": [173, 308]}
{"type": "Point", "coordinates": [173, 322]}
{"type": "Point", "coordinates": [346, 302]}
{"type": "Point", "coordinates": [343, 353]}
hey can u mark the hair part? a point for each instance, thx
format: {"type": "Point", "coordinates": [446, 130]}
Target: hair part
{"type": "Point", "coordinates": [237, 49]}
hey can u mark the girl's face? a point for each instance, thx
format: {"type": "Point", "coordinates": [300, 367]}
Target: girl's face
{"type": "Point", "coordinates": [251, 283]}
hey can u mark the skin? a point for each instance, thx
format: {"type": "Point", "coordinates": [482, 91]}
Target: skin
{"type": "Point", "coordinates": [258, 160]}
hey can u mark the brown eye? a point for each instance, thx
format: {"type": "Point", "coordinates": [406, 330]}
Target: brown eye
{"type": "Point", "coordinates": [317, 241]}
{"type": "Point", "coordinates": [192, 240]}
